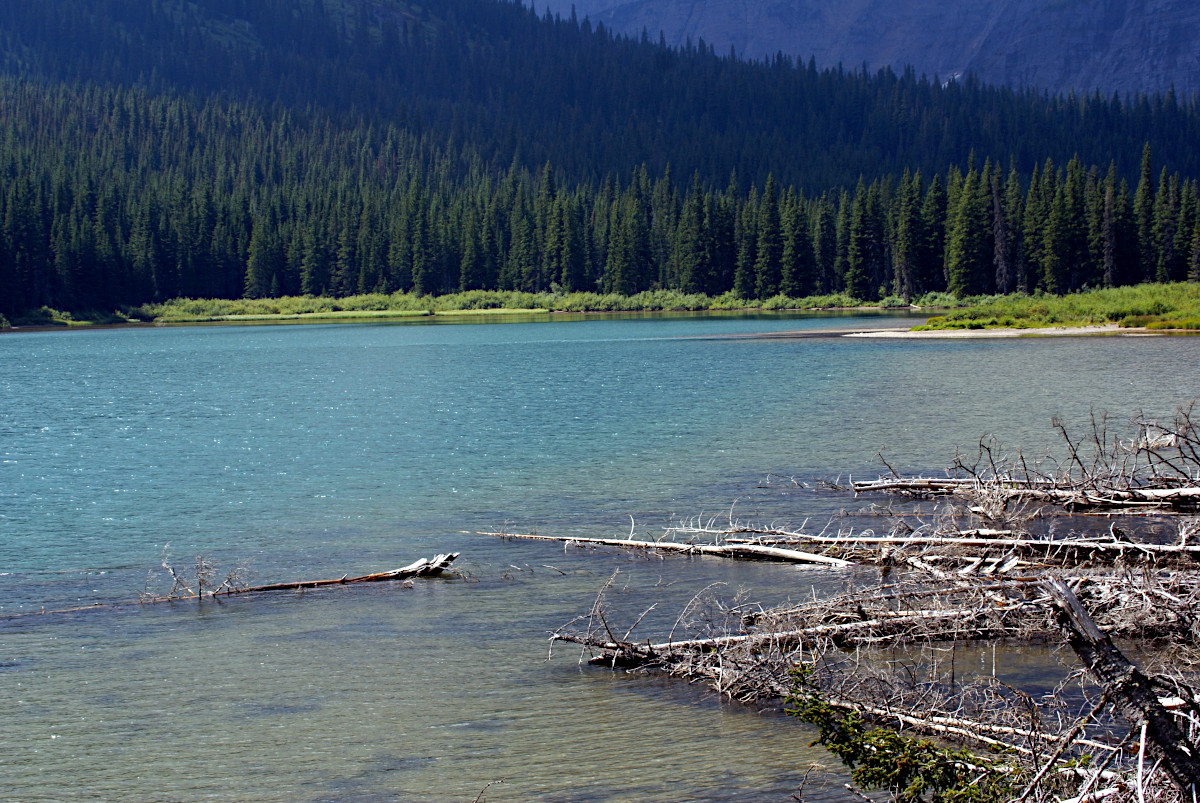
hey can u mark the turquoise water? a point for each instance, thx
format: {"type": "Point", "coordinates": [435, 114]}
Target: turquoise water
{"type": "Point", "coordinates": [315, 451]}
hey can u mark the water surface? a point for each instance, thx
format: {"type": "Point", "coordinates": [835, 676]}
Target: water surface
{"type": "Point", "coordinates": [315, 451]}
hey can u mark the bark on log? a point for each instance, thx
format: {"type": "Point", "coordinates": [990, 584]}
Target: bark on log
{"type": "Point", "coordinates": [1128, 687]}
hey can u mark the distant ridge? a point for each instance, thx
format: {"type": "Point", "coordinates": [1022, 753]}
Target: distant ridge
{"type": "Point", "coordinates": [1123, 46]}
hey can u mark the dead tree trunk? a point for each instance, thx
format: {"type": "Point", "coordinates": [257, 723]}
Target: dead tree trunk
{"type": "Point", "coordinates": [1129, 689]}
{"type": "Point", "coordinates": [424, 567]}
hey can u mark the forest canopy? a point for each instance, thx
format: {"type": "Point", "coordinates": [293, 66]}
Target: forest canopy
{"type": "Point", "coordinates": [155, 149]}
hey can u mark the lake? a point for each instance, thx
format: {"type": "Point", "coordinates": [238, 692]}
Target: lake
{"type": "Point", "coordinates": [302, 452]}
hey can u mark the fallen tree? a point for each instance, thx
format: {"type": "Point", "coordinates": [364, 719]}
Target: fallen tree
{"type": "Point", "coordinates": [745, 551]}
{"type": "Point", "coordinates": [884, 657]}
{"type": "Point", "coordinates": [1158, 469]}
{"type": "Point", "coordinates": [424, 567]}
{"type": "Point", "coordinates": [202, 584]}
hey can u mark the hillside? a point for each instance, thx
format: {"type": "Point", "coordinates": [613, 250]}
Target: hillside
{"type": "Point", "coordinates": [151, 149]}
{"type": "Point", "coordinates": [514, 85]}
{"type": "Point", "coordinates": [1125, 46]}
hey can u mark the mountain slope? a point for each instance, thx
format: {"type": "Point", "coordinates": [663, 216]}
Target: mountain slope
{"type": "Point", "coordinates": [517, 86]}
{"type": "Point", "coordinates": [1125, 46]}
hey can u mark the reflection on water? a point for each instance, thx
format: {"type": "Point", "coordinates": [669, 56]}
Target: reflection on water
{"type": "Point", "coordinates": [307, 452]}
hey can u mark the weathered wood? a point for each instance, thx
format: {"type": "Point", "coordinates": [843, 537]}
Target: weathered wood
{"type": "Point", "coordinates": [985, 538]}
{"type": "Point", "coordinates": [421, 568]}
{"type": "Point", "coordinates": [739, 550]}
{"type": "Point", "coordinates": [1128, 687]}
{"type": "Point", "coordinates": [1159, 471]}
{"type": "Point", "coordinates": [424, 567]}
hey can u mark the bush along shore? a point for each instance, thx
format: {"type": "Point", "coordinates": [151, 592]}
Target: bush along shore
{"type": "Point", "coordinates": [1084, 550]}
{"type": "Point", "coordinates": [1152, 306]}
{"type": "Point", "coordinates": [1155, 307]}
{"type": "Point", "coordinates": [401, 305]}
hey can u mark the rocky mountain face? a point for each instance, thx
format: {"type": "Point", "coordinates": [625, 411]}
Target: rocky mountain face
{"type": "Point", "coordinates": [1124, 46]}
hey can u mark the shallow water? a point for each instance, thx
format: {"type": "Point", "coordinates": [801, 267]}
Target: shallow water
{"type": "Point", "coordinates": [317, 451]}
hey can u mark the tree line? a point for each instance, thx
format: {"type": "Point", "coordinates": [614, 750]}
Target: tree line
{"type": "Point", "coordinates": [112, 197]}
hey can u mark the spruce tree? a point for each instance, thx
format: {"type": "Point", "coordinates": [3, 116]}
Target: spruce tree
{"type": "Point", "coordinates": [689, 256]}
{"type": "Point", "coordinates": [969, 246]}
{"type": "Point", "coordinates": [798, 264]}
{"type": "Point", "coordinates": [769, 244]}
{"type": "Point", "coordinates": [931, 255]}
{"type": "Point", "coordinates": [1014, 209]}
{"type": "Point", "coordinates": [1165, 228]}
{"type": "Point", "coordinates": [263, 262]}
{"type": "Point", "coordinates": [746, 233]}
{"type": "Point", "coordinates": [1143, 212]}
{"type": "Point", "coordinates": [907, 241]}
{"type": "Point", "coordinates": [824, 244]}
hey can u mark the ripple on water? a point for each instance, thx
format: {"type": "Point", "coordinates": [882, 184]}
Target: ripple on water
{"type": "Point", "coordinates": [310, 452]}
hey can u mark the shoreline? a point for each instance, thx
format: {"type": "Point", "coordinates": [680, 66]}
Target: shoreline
{"type": "Point", "coordinates": [405, 316]}
{"type": "Point", "coordinates": [899, 331]}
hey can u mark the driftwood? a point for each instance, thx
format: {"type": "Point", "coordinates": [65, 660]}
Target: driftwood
{"type": "Point", "coordinates": [232, 585]}
{"type": "Point", "coordinates": [850, 642]}
{"type": "Point", "coordinates": [956, 551]}
{"type": "Point", "coordinates": [431, 567]}
{"type": "Point", "coordinates": [1159, 470]}
{"type": "Point", "coordinates": [737, 551]}
{"type": "Point", "coordinates": [914, 611]}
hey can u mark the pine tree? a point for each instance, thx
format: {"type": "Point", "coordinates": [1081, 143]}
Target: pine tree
{"type": "Point", "coordinates": [931, 253]}
{"type": "Point", "coordinates": [746, 234]}
{"type": "Point", "coordinates": [824, 240]}
{"type": "Point", "coordinates": [1194, 259]}
{"type": "Point", "coordinates": [1037, 209]}
{"type": "Point", "coordinates": [471, 273]}
{"type": "Point", "coordinates": [969, 246]}
{"type": "Point", "coordinates": [797, 264]}
{"type": "Point", "coordinates": [573, 252]}
{"type": "Point", "coordinates": [1165, 228]}
{"type": "Point", "coordinates": [769, 244]}
{"type": "Point", "coordinates": [689, 253]}
{"type": "Point", "coordinates": [264, 261]}
{"type": "Point", "coordinates": [314, 265]}
{"type": "Point", "coordinates": [908, 236]}
{"type": "Point", "coordinates": [865, 250]}
{"type": "Point", "coordinates": [1108, 232]}
{"type": "Point", "coordinates": [719, 227]}
{"type": "Point", "coordinates": [1014, 209]}
{"type": "Point", "coordinates": [1001, 240]}
{"type": "Point", "coordinates": [1143, 212]}
{"type": "Point", "coordinates": [1056, 246]}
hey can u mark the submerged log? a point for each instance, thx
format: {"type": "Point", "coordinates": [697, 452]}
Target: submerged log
{"type": "Point", "coordinates": [740, 551]}
{"type": "Point", "coordinates": [421, 568]}
{"type": "Point", "coordinates": [425, 567]}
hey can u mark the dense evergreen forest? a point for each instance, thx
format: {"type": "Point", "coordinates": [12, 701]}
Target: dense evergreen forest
{"type": "Point", "coordinates": [151, 149]}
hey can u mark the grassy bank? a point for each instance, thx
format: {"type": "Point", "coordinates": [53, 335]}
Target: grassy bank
{"type": "Point", "coordinates": [1155, 306]}
{"type": "Point", "coordinates": [399, 305]}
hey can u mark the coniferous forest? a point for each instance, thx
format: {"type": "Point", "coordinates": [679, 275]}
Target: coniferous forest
{"type": "Point", "coordinates": [153, 149]}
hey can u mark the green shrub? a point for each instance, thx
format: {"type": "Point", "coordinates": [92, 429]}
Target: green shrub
{"type": "Point", "coordinates": [913, 770]}
{"type": "Point", "coordinates": [945, 300]}
{"type": "Point", "coordinates": [1190, 324]}
{"type": "Point", "coordinates": [43, 316]}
